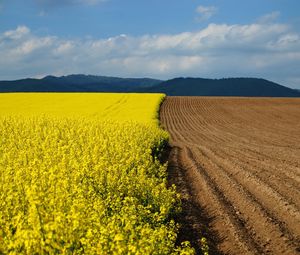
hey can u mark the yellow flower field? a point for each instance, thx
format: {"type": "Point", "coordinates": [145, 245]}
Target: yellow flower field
{"type": "Point", "coordinates": [141, 108]}
{"type": "Point", "coordinates": [79, 175]}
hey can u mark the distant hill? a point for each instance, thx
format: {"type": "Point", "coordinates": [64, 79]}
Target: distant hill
{"type": "Point", "coordinates": [77, 83]}
{"type": "Point", "coordinates": [250, 87]}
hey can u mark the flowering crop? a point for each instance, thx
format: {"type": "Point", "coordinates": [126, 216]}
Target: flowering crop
{"type": "Point", "coordinates": [141, 108]}
{"type": "Point", "coordinates": [78, 182]}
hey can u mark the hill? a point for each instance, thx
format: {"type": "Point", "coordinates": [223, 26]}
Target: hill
{"type": "Point", "coordinates": [251, 87]}
{"type": "Point", "coordinates": [77, 83]}
{"type": "Point", "coordinates": [248, 87]}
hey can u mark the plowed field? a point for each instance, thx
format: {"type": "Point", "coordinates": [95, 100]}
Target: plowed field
{"type": "Point", "coordinates": [236, 163]}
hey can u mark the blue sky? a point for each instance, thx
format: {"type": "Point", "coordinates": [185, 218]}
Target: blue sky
{"type": "Point", "coordinates": [157, 38]}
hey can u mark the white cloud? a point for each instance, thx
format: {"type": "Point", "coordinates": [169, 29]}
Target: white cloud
{"type": "Point", "coordinates": [269, 18]}
{"type": "Point", "coordinates": [64, 48]}
{"type": "Point", "coordinates": [20, 32]}
{"type": "Point", "coordinates": [268, 50]}
{"type": "Point", "coordinates": [32, 45]}
{"type": "Point", "coordinates": [205, 12]}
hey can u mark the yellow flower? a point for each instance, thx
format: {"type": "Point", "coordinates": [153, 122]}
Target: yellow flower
{"type": "Point", "coordinates": [79, 175]}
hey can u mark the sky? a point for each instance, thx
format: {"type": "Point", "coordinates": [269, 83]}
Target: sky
{"type": "Point", "coordinates": [159, 38]}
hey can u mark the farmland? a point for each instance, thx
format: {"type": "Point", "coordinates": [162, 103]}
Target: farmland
{"type": "Point", "coordinates": [98, 106]}
{"type": "Point", "coordinates": [79, 174]}
{"type": "Point", "coordinates": [236, 163]}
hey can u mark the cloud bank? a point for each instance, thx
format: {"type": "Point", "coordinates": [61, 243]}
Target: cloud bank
{"type": "Point", "coordinates": [268, 50]}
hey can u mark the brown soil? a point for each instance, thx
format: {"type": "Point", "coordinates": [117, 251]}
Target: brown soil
{"type": "Point", "coordinates": [236, 163]}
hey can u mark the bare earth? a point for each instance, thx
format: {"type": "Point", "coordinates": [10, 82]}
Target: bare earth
{"type": "Point", "coordinates": [236, 162]}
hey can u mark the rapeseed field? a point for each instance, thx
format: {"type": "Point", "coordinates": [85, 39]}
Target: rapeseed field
{"type": "Point", "coordinates": [79, 174]}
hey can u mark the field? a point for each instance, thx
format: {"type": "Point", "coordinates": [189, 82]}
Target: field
{"type": "Point", "coordinates": [79, 174]}
{"type": "Point", "coordinates": [236, 162]}
{"type": "Point", "coordinates": [100, 106]}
